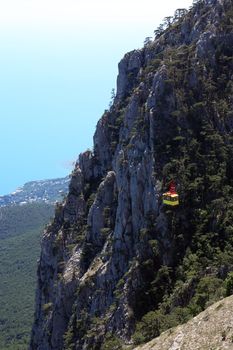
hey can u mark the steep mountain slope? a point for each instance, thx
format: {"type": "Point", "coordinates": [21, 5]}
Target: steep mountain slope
{"type": "Point", "coordinates": [115, 257]}
{"type": "Point", "coordinates": [43, 191]}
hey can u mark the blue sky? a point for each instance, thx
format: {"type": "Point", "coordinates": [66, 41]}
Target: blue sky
{"type": "Point", "coordinates": [58, 65]}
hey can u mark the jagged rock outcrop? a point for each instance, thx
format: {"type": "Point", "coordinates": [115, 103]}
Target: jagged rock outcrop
{"type": "Point", "coordinates": [103, 257]}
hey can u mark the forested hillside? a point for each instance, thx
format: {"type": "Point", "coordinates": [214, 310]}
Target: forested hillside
{"type": "Point", "coordinates": [20, 234]}
{"type": "Point", "coordinates": [18, 219]}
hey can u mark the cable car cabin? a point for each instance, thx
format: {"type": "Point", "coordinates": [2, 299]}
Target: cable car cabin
{"type": "Point", "coordinates": [171, 197]}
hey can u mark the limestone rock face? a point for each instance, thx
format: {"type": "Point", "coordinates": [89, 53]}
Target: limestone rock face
{"type": "Point", "coordinates": [128, 68]}
{"type": "Point", "coordinates": [212, 329]}
{"type": "Point", "coordinates": [112, 232]}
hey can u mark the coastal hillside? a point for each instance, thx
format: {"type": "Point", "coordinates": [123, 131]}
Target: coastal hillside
{"type": "Point", "coordinates": [43, 191]}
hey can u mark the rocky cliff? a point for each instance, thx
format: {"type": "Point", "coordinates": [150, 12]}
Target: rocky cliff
{"type": "Point", "coordinates": [114, 252]}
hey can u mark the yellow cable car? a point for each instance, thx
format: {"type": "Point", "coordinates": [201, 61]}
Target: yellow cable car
{"type": "Point", "coordinates": [171, 197]}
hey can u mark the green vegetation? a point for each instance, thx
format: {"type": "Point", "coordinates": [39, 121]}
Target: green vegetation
{"type": "Point", "coordinates": [111, 343]}
{"type": "Point", "coordinates": [18, 219]}
{"type": "Point", "coordinates": [194, 146]}
{"type": "Point", "coordinates": [20, 232]}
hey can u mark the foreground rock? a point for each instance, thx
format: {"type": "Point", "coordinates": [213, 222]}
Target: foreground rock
{"type": "Point", "coordinates": [210, 330]}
